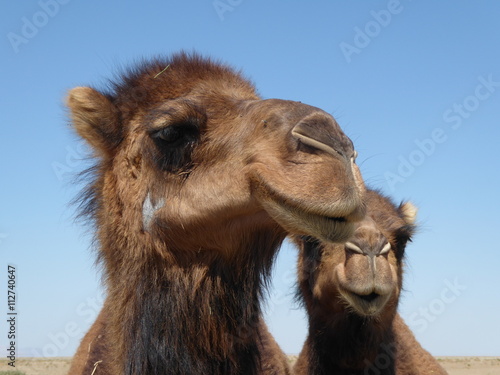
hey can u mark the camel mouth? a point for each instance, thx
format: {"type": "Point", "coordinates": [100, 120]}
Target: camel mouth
{"type": "Point", "coordinates": [368, 305]}
{"type": "Point", "coordinates": [326, 228]}
{"type": "Point", "coordinates": [337, 219]}
{"type": "Point", "coordinates": [301, 222]}
{"type": "Point", "coordinates": [335, 223]}
{"type": "Point", "coordinates": [368, 297]}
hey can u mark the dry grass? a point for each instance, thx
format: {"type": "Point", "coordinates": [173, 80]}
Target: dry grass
{"type": "Point", "coordinates": [37, 366]}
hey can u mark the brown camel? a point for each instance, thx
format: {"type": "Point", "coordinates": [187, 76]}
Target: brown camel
{"type": "Point", "coordinates": [196, 184]}
{"type": "Point", "coordinates": [351, 293]}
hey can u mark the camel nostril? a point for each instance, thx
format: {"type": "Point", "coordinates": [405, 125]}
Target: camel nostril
{"type": "Point", "coordinates": [316, 131]}
{"type": "Point", "coordinates": [368, 297]}
{"type": "Point", "coordinates": [354, 156]}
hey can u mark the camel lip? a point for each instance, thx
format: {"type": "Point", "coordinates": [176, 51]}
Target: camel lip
{"type": "Point", "coordinates": [335, 223]}
{"type": "Point", "coordinates": [284, 202]}
{"type": "Point", "coordinates": [370, 304]}
{"type": "Point", "coordinates": [366, 306]}
{"type": "Point", "coordinates": [367, 297]}
{"type": "Point", "coordinates": [340, 228]}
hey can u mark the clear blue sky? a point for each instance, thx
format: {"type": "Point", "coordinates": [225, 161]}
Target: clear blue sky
{"type": "Point", "coordinates": [415, 84]}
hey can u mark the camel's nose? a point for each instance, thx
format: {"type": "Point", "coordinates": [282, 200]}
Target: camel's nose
{"type": "Point", "coordinates": [369, 247]}
{"type": "Point", "coordinates": [320, 131]}
{"type": "Point", "coordinates": [368, 240]}
{"type": "Point", "coordinates": [380, 248]}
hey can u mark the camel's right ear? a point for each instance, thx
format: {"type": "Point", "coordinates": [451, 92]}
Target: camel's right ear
{"type": "Point", "coordinates": [95, 119]}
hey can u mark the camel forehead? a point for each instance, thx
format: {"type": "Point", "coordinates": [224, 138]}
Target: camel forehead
{"type": "Point", "coordinates": [158, 80]}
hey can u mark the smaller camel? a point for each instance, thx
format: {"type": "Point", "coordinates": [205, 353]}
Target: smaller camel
{"type": "Point", "coordinates": [351, 293]}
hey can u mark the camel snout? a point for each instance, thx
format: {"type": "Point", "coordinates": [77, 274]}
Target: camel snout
{"type": "Point", "coordinates": [366, 279]}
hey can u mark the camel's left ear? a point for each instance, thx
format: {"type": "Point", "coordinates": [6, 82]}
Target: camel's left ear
{"type": "Point", "coordinates": [95, 118]}
{"type": "Point", "coordinates": [409, 212]}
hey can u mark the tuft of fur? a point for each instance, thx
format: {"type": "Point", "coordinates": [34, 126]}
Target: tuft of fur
{"type": "Point", "coordinates": [409, 211]}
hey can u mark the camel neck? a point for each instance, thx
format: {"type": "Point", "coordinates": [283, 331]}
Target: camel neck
{"type": "Point", "coordinates": [350, 345]}
{"type": "Point", "coordinates": [200, 319]}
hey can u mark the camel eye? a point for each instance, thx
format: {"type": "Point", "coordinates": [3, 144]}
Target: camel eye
{"type": "Point", "coordinates": [354, 155]}
{"type": "Point", "coordinates": [171, 134]}
{"type": "Point", "coordinates": [176, 135]}
{"type": "Point", "coordinates": [174, 146]}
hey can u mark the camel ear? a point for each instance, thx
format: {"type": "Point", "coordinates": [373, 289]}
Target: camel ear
{"type": "Point", "coordinates": [409, 212]}
{"type": "Point", "coordinates": [95, 119]}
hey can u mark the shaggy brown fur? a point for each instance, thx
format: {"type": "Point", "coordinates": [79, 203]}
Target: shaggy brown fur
{"type": "Point", "coordinates": [197, 182]}
{"type": "Point", "coordinates": [91, 357]}
{"type": "Point", "coordinates": [351, 293]}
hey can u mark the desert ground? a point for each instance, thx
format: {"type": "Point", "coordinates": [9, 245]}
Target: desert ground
{"type": "Point", "coordinates": [60, 366]}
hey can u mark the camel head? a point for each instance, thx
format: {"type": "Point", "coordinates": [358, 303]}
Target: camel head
{"type": "Point", "coordinates": [364, 274]}
{"type": "Point", "coordinates": [189, 155]}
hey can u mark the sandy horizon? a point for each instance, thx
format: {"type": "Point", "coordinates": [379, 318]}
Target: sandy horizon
{"type": "Point", "coordinates": [455, 365]}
